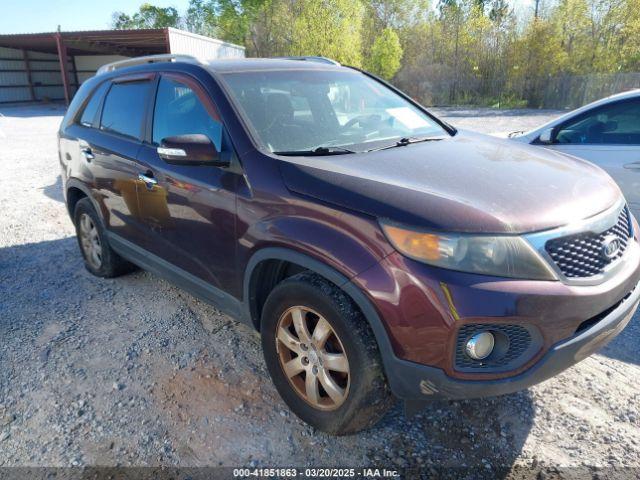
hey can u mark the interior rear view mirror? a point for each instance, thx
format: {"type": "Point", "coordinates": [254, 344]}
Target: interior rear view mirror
{"type": "Point", "coordinates": [193, 149]}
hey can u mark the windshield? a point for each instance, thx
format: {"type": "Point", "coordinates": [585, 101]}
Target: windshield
{"type": "Point", "coordinates": [302, 110]}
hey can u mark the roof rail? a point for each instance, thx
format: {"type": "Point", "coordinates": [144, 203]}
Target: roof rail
{"type": "Point", "coordinates": [130, 62]}
{"type": "Point", "coordinates": [313, 59]}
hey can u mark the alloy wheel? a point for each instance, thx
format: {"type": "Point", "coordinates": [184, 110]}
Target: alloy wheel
{"type": "Point", "coordinates": [312, 358]}
{"type": "Point", "coordinates": [90, 241]}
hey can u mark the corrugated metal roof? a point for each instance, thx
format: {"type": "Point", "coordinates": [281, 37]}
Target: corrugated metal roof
{"type": "Point", "coordinates": [122, 42]}
{"type": "Point", "coordinates": [46, 80]}
{"type": "Point", "coordinates": [130, 43]}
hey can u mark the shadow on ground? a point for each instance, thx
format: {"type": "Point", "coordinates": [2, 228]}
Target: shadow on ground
{"type": "Point", "coordinates": [44, 285]}
{"type": "Point", "coordinates": [54, 191]}
{"type": "Point", "coordinates": [625, 346]}
{"type": "Point", "coordinates": [35, 110]}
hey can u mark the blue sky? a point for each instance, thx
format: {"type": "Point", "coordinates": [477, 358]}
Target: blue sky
{"type": "Point", "coordinates": [25, 16]}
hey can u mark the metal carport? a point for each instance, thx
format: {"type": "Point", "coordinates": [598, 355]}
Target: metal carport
{"type": "Point", "coordinates": [51, 66]}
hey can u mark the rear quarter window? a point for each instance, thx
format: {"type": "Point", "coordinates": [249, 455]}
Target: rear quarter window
{"type": "Point", "coordinates": [91, 108]}
{"type": "Point", "coordinates": [124, 108]}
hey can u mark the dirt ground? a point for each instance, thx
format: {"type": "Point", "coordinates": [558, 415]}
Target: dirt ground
{"type": "Point", "coordinates": [133, 371]}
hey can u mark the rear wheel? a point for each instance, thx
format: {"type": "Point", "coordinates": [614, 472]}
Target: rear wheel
{"type": "Point", "coordinates": [99, 257]}
{"type": "Point", "coordinates": [322, 356]}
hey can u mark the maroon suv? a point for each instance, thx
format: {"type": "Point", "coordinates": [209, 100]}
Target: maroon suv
{"type": "Point", "coordinates": [377, 249]}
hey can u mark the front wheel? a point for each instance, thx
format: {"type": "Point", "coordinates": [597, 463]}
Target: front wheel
{"type": "Point", "coordinates": [322, 356]}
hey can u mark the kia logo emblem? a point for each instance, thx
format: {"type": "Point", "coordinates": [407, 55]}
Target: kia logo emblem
{"type": "Point", "coordinates": [610, 247]}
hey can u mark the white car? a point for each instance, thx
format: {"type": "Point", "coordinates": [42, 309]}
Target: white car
{"type": "Point", "coordinates": [606, 132]}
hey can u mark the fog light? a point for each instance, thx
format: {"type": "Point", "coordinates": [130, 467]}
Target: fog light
{"type": "Point", "coordinates": [480, 345]}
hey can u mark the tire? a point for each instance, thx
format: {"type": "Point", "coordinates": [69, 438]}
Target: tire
{"type": "Point", "coordinates": [89, 230]}
{"type": "Point", "coordinates": [366, 394]}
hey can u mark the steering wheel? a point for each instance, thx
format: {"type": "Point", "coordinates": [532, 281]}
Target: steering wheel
{"type": "Point", "coordinates": [361, 119]}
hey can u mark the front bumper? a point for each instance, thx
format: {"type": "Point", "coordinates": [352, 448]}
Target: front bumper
{"type": "Point", "coordinates": [412, 381]}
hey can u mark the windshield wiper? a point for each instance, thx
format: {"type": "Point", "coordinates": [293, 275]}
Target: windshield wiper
{"type": "Point", "coordinates": [319, 151]}
{"type": "Point", "coordinates": [403, 142]}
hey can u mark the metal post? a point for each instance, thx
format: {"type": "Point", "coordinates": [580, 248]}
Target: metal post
{"type": "Point", "coordinates": [75, 72]}
{"type": "Point", "coordinates": [62, 57]}
{"type": "Point", "coordinates": [167, 41]}
{"type": "Point", "coordinates": [27, 67]}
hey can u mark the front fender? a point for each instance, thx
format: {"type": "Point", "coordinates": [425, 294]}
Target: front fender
{"type": "Point", "coordinates": [347, 243]}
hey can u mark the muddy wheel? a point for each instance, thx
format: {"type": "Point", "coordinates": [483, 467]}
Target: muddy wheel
{"type": "Point", "coordinates": [322, 356]}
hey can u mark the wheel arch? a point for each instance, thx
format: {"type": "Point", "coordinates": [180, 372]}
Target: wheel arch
{"type": "Point", "coordinates": [75, 191]}
{"type": "Point", "coordinates": [74, 195]}
{"type": "Point", "coordinates": [262, 258]}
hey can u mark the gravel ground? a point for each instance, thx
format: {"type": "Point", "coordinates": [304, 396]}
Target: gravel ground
{"type": "Point", "coordinates": [496, 122]}
{"type": "Point", "coordinates": [133, 371]}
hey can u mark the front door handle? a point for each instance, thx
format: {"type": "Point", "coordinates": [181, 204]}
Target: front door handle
{"type": "Point", "coordinates": [88, 154]}
{"type": "Point", "coordinates": [148, 179]}
{"type": "Point", "coordinates": [632, 166]}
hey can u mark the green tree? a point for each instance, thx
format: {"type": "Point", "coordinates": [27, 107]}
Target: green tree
{"type": "Point", "coordinates": [200, 18]}
{"type": "Point", "coordinates": [630, 36]}
{"type": "Point", "coordinates": [572, 35]}
{"type": "Point", "coordinates": [461, 51]}
{"type": "Point", "coordinates": [330, 28]}
{"type": "Point", "coordinates": [147, 16]}
{"type": "Point", "coordinates": [398, 13]}
{"type": "Point", "coordinates": [271, 30]}
{"type": "Point", "coordinates": [386, 54]}
{"type": "Point", "coordinates": [230, 20]}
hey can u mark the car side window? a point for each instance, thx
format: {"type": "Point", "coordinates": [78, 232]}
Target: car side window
{"type": "Point", "coordinates": [615, 124]}
{"type": "Point", "coordinates": [179, 111]}
{"type": "Point", "coordinates": [91, 108]}
{"type": "Point", "coordinates": [124, 108]}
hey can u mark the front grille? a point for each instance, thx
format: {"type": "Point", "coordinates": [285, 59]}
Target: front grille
{"type": "Point", "coordinates": [512, 341]}
{"type": "Point", "coordinates": [581, 255]}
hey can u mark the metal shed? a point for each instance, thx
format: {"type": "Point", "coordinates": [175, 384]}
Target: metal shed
{"type": "Point", "coordinates": [51, 66]}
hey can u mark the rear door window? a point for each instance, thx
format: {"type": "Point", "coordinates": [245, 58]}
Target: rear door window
{"type": "Point", "coordinates": [91, 109]}
{"type": "Point", "coordinates": [124, 108]}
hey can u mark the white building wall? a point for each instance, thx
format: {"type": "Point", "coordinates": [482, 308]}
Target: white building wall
{"type": "Point", "coordinates": [87, 65]}
{"type": "Point", "coordinates": [9, 79]}
{"type": "Point", "coordinates": [187, 43]}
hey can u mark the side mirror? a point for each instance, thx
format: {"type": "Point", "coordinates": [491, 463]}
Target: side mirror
{"type": "Point", "coordinates": [194, 149]}
{"type": "Point", "coordinates": [546, 136]}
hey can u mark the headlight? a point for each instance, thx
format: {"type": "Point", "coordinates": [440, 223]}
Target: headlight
{"type": "Point", "coordinates": [502, 256]}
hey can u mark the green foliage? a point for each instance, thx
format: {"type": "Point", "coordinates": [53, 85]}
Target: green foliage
{"type": "Point", "coordinates": [386, 53]}
{"type": "Point", "coordinates": [329, 28]}
{"type": "Point", "coordinates": [450, 51]}
{"type": "Point", "coordinates": [148, 16]}
{"type": "Point", "coordinates": [506, 102]}
{"type": "Point", "coordinates": [201, 18]}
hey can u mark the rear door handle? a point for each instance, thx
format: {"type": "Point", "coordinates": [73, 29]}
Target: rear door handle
{"type": "Point", "coordinates": [148, 179]}
{"type": "Point", "coordinates": [88, 154]}
{"type": "Point", "coordinates": [632, 166]}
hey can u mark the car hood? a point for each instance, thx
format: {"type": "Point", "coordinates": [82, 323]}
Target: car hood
{"type": "Point", "coordinates": [466, 183]}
